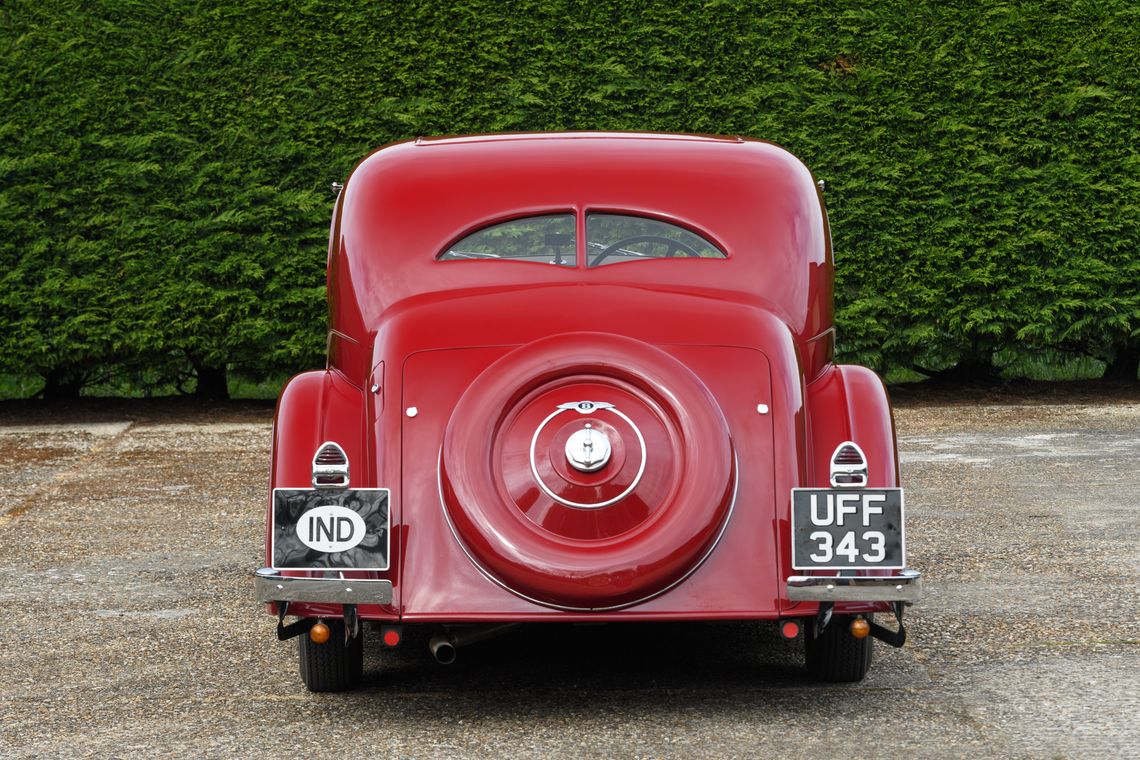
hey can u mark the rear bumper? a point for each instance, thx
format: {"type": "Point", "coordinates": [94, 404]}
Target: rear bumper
{"type": "Point", "coordinates": [273, 587]}
{"type": "Point", "coordinates": [904, 587]}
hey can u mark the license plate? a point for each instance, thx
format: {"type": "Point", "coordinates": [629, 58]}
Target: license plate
{"type": "Point", "coordinates": [330, 529]}
{"type": "Point", "coordinates": [847, 529]}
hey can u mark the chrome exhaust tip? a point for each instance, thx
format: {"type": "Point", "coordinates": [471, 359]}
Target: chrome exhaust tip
{"type": "Point", "coordinates": [442, 649]}
{"type": "Point", "coordinates": [444, 645]}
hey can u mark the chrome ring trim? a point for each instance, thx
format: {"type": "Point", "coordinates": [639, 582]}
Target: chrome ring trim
{"type": "Point", "coordinates": [491, 577]}
{"type": "Point", "coordinates": [577, 505]}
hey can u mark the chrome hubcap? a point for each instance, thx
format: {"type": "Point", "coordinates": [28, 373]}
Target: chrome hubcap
{"type": "Point", "coordinates": [588, 450]}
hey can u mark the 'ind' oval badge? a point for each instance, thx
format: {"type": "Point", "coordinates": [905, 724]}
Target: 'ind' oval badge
{"type": "Point", "coordinates": [330, 528]}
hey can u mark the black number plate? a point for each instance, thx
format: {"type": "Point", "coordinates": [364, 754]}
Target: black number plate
{"type": "Point", "coordinates": [847, 528]}
{"type": "Point", "coordinates": [330, 529]}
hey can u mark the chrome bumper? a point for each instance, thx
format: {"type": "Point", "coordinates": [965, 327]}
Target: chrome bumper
{"type": "Point", "coordinates": [904, 587]}
{"type": "Point", "coordinates": [274, 587]}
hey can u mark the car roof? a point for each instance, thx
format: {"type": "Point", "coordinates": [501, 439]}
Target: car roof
{"type": "Point", "coordinates": [405, 203]}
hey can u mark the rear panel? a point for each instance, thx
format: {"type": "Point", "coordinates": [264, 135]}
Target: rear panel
{"type": "Point", "coordinates": [739, 577]}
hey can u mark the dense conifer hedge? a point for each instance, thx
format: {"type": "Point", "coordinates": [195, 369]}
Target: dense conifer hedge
{"type": "Point", "coordinates": [164, 166]}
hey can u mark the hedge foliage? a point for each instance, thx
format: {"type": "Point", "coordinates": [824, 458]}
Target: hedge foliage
{"type": "Point", "coordinates": [165, 164]}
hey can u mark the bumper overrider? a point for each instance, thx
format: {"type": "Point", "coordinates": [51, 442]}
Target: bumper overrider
{"type": "Point", "coordinates": [906, 586]}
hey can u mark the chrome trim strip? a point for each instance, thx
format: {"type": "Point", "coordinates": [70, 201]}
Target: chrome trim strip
{"type": "Point", "coordinates": [577, 505]}
{"type": "Point", "coordinates": [273, 587]}
{"type": "Point", "coordinates": [904, 587]}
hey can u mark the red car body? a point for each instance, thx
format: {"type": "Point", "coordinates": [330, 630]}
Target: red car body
{"type": "Point", "coordinates": [451, 383]}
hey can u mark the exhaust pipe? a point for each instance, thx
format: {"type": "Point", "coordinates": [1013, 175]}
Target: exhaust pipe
{"type": "Point", "coordinates": [443, 645]}
{"type": "Point", "coordinates": [442, 649]}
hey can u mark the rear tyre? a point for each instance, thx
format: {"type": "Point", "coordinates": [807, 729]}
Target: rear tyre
{"type": "Point", "coordinates": [835, 655]}
{"type": "Point", "coordinates": [334, 665]}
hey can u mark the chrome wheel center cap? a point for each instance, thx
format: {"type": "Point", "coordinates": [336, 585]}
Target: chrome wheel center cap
{"type": "Point", "coordinates": [588, 450]}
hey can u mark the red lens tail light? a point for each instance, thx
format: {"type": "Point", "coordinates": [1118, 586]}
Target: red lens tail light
{"type": "Point", "coordinates": [330, 467]}
{"type": "Point", "coordinates": [848, 466]}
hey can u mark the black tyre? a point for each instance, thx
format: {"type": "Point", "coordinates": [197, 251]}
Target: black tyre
{"type": "Point", "coordinates": [334, 665]}
{"type": "Point", "coordinates": [835, 655]}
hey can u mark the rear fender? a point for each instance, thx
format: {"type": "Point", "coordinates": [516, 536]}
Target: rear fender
{"type": "Point", "coordinates": [850, 403]}
{"type": "Point", "coordinates": [315, 407]}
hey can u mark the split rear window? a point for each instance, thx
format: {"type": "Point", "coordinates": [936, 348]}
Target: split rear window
{"type": "Point", "coordinates": [610, 239]}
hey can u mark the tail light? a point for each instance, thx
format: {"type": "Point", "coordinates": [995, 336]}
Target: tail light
{"type": "Point", "coordinates": [848, 466]}
{"type": "Point", "coordinates": [330, 467]}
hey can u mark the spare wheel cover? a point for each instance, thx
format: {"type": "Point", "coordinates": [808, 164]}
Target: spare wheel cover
{"type": "Point", "coordinates": [587, 471]}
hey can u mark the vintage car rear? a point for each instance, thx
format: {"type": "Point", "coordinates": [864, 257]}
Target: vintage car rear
{"type": "Point", "coordinates": [582, 378]}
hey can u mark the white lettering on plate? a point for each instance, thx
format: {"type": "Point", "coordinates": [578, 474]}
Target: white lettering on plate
{"type": "Point", "coordinates": [838, 507]}
{"type": "Point", "coordinates": [844, 507]}
{"type": "Point", "coordinates": [826, 519]}
{"type": "Point", "coordinates": [330, 528]}
{"type": "Point", "coordinates": [868, 509]}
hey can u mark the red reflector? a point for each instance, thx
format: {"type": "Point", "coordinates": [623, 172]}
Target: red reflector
{"type": "Point", "coordinates": [790, 629]}
{"type": "Point", "coordinates": [391, 637]}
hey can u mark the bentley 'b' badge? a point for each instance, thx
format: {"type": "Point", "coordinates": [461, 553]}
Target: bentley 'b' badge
{"type": "Point", "coordinates": [585, 407]}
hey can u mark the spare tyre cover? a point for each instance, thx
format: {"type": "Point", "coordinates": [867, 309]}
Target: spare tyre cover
{"type": "Point", "coordinates": [587, 471]}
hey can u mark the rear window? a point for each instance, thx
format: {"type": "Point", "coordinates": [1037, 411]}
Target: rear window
{"type": "Point", "coordinates": [546, 239]}
{"type": "Point", "coordinates": [614, 238]}
{"type": "Point", "coordinates": [610, 239]}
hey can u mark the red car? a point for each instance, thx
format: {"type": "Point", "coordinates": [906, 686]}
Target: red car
{"type": "Point", "coordinates": [582, 377]}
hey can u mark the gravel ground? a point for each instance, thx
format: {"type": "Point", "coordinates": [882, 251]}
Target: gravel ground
{"type": "Point", "coordinates": [129, 531]}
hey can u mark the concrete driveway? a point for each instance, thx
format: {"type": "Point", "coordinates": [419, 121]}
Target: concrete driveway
{"type": "Point", "coordinates": [128, 628]}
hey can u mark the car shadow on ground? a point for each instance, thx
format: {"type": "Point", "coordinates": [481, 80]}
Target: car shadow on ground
{"type": "Point", "coordinates": [601, 659]}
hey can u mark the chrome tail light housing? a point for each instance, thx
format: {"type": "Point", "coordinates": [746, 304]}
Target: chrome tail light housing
{"type": "Point", "coordinates": [848, 466]}
{"type": "Point", "coordinates": [330, 466]}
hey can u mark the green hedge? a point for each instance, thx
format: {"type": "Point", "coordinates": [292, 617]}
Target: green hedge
{"type": "Point", "coordinates": [165, 165]}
